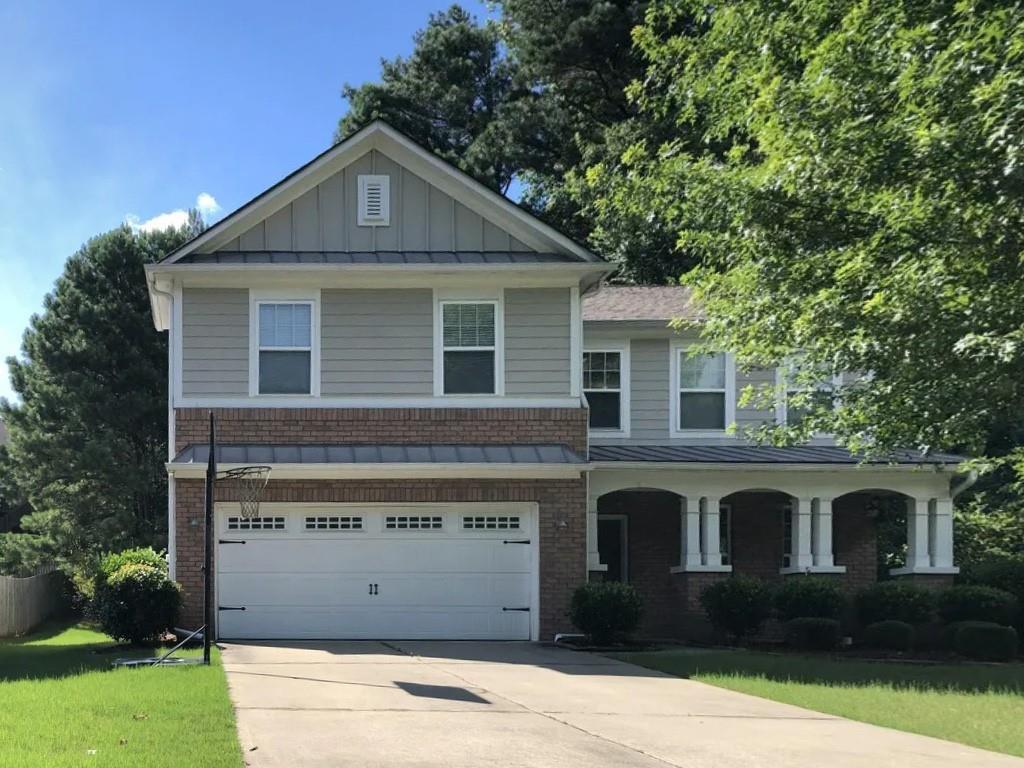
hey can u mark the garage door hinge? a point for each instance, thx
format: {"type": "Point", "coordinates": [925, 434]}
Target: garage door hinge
{"type": "Point", "coordinates": [231, 541]}
{"type": "Point", "coordinates": [230, 608]}
{"type": "Point", "coordinates": [523, 610]}
{"type": "Point", "coordinates": [516, 541]}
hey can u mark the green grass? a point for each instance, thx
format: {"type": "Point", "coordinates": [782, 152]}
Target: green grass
{"type": "Point", "coordinates": [979, 705]}
{"type": "Point", "coordinates": [61, 705]}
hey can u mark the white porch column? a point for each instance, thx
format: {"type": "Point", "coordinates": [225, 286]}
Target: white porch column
{"type": "Point", "coordinates": [821, 533]}
{"type": "Point", "coordinates": [690, 526]}
{"type": "Point", "coordinates": [801, 558]}
{"type": "Point", "coordinates": [942, 533]}
{"type": "Point", "coordinates": [593, 555]}
{"type": "Point", "coordinates": [712, 544]}
{"type": "Point", "coordinates": [918, 557]}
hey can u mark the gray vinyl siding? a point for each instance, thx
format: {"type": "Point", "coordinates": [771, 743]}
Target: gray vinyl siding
{"type": "Point", "coordinates": [423, 218]}
{"type": "Point", "coordinates": [649, 389]}
{"type": "Point", "coordinates": [215, 342]}
{"type": "Point", "coordinates": [376, 343]}
{"type": "Point", "coordinates": [537, 328]}
{"type": "Point", "coordinates": [750, 417]}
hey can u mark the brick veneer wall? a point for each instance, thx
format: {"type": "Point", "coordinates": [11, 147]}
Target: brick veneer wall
{"type": "Point", "coordinates": [672, 601]}
{"type": "Point", "coordinates": [562, 505]}
{"type": "Point", "coordinates": [279, 426]}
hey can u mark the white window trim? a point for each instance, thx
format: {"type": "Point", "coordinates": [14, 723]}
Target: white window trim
{"type": "Point", "coordinates": [279, 296]}
{"type": "Point", "coordinates": [782, 390]}
{"type": "Point", "coordinates": [624, 399]}
{"type": "Point", "coordinates": [441, 298]}
{"type": "Point", "coordinates": [677, 349]}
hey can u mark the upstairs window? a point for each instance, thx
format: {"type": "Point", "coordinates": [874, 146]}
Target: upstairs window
{"type": "Point", "coordinates": [799, 399]}
{"type": "Point", "coordinates": [469, 347]}
{"type": "Point", "coordinates": [285, 364]}
{"type": "Point", "coordinates": [702, 398]}
{"type": "Point", "coordinates": [602, 384]}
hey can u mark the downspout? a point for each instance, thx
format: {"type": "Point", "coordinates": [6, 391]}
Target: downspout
{"type": "Point", "coordinates": [963, 485]}
{"type": "Point", "coordinates": [171, 375]}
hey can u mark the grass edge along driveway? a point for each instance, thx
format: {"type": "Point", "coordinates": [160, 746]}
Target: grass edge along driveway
{"type": "Point", "coordinates": [978, 705]}
{"type": "Point", "coordinates": [64, 706]}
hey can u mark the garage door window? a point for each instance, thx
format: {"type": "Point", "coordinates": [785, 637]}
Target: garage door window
{"type": "Point", "coordinates": [334, 523]}
{"type": "Point", "coordinates": [490, 523]}
{"type": "Point", "coordinates": [256, 524]}
{"type": "Point", "coordinates": [413, 522]}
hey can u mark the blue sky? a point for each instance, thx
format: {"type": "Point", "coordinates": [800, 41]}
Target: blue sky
{"type": "Point", "coordinates": [120, 111]}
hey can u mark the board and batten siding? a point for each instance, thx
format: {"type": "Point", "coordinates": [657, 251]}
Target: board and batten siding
{"type": "Point", "coordinates": [537, 346]}
{"type": "Point", "coordinates": [422, 218]}
{"type": "Point", "coordinates": [215, 342]}
{"type": "Point", "coordinates": [376, 342]}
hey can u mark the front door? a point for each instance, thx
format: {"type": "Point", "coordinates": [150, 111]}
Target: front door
{"type": "Point", "coordinates": [612, 546]}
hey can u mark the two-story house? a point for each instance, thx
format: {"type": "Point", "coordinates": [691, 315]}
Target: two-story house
{"type": "Point", "coordinates": [463, 426]}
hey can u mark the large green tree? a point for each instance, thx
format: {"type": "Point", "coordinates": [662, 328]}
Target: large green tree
{"type": "Point", "coordinates": [88, 436]}
{"type": "Point", "coordinates": [855, 201]}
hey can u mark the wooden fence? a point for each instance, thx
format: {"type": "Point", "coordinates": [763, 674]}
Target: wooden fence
{"type": "Point", "coordinates": [25, 603]}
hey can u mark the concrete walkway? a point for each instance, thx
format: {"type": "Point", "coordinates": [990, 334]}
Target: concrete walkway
{"type": "Point", "coordinates": [517, 705]}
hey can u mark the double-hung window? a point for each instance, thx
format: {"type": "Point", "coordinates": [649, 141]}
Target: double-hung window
{"type": "Point", "coordinates": [284, 360]}
{"type": "Point", "coordinates": [603, 383]}
{"type": "Point", "coordinates": [469, 347]}
{"type": "Point", "coordinates": [798, 399]}
{"type": "Point", "coordinates": [704, 392]}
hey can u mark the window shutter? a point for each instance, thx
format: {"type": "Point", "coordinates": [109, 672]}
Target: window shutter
{"type": "Point", "coordinates": [374, 200]}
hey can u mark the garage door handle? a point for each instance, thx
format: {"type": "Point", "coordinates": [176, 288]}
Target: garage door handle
{"type": "Point", "coordinates": [230, 607]}
{"type": "Point", "coordinates": [516, 541]}
{"type": "Point", "coordinates": [522, 610]}
{"type": "Point", "coordinates": [231, 541]}
{"type": "Point", "coordinates": [373, 589]}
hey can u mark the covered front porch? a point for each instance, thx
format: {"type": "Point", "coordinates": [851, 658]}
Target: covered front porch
{"type": "Point", "coordinates": [672, 529]}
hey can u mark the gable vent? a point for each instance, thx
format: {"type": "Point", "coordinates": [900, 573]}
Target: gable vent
{"type": "Point", "coordinates": [374, 200]}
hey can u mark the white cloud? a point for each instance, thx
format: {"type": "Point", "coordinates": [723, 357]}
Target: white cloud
{"type": "Point", "coordinates": [206, 204]}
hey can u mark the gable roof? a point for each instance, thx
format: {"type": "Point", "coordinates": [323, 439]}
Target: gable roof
{"type": "Point", "coordinates": [379, 135]}
{"type": "Point", "coordinates": [640, 302]}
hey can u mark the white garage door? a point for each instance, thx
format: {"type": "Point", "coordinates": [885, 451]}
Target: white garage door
{"type": "Point", "coordinates": [455, 572]}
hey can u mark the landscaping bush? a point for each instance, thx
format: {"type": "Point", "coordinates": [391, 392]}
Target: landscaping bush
{"type": "Point", "coordinates": [890, 634]}
{"type": "Point", "coordinates": [606, 610]}
{"type": "Point", "coordinates": [812, 633]}
{"type": "Point", "coordinates": [977, 603]}
{"type": "Point", "coordinates": [895, 601]}
{"type": "Point", "coordinates": [136, 603]}
{"type": "Point", "coordinates": [1003, 573]}
{"type": "Point", "coordinates": [986, 640]}
{"type": "Point", "coordinates": [112, 562]}
{"type": "Point", "coordinates": [738, 605]}
{"type": "Point", "coordinates": [802, 597]}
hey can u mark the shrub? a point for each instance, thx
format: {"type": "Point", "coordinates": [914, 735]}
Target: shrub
{"type": "Point", "coordinates": [812, 633]}
{"type": "Point", "coordinates": [895, 601]}
{"type": "Point", "coordinates": [1003, 573]}
{"type": "Point", "coordinates": [737, 606]}
{"type": "Point", "coordinates": [977, 603]}
{"type": "Point", "coordinates": [890, 634]}
{"type": "Point", "coordinates": [985, 640]}
{"type": "Point", "coordinates": [606, 610]}
{"type": "Point", "coordinates": [136, 603]}
{"type": "Point", "coordinates": [802, 597]}
{"type": "Point", "coordinates": [112, 562]}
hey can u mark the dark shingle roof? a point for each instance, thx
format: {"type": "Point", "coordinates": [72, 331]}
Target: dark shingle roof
{"type": "Point", "coordinates": [640, 302]}
{"type": "Point", "coordinates": [755, 454]}
{"type": "Point", "coordinates": [378, 257]}
{"type": "Point", "coordinates": [381, 454]}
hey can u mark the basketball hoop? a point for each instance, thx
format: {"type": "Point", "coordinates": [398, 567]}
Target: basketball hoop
{"type": "Point", "coordinates": [248, 483]}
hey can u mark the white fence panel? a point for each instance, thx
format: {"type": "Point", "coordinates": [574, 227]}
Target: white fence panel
{"type": "Point", "coordinates": [25, 603]}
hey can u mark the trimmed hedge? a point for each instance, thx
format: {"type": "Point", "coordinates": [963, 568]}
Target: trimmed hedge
{"type": "Point", "coordinates": [969, 602]}
{"type": "Point", "coordinates": [606, 610]}
{"type": "Point", "coordinates": [738, 605]}
{"type": "Point", "coordinates": [812, 633]}
{"type": "Point", "coordinates": [890, 634]}
{"type": "Point", "coordinates": [802, 597]}
{"type": "Point", "coordinates": [112, 562]}
{"type": "Point", "coordinates": [985, 640]}
{"type": "Point", "coordinates": [895, 601]}
{"type": "Point", "coordinates": [137, 603]}
{"type": "Point", "coordinates": [1003, 573]}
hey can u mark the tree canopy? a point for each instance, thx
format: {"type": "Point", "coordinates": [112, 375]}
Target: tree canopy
{"type": "Point", "coordinates": [88, 439]}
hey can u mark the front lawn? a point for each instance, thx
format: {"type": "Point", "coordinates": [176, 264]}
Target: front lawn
{"type": "Point", "coordinates": [62, 705]}
{"type": "Point", "coordinates": [979, 705]}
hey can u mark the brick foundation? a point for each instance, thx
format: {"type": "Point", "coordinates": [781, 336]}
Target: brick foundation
{"type": "Point", "coordinates": [562, 547]}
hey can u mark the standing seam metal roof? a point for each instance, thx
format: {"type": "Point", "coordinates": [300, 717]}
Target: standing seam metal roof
{"type": "Point", "coordinates": [757, 454]}
{"type": "Point", "coordinates": [381, 454]}
{"type": "Point", "coordinates": [379, 257]}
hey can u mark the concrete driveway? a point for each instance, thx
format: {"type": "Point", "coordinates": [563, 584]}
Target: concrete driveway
{"type": "Point", "coordinates": [518, 705]}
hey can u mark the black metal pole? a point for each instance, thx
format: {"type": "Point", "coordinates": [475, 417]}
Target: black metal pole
{"type": "Point", "coordinates": [211, 477]}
